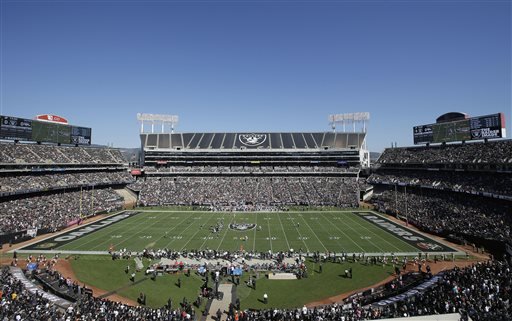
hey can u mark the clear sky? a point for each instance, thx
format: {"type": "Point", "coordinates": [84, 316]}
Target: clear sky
{"type": "Point", "coordinates": [254, 65]}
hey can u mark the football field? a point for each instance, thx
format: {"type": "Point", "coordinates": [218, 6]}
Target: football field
{"type": "Point", "coordinates": [323, 231]}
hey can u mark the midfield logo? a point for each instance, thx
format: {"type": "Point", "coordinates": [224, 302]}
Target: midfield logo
{"type": "Point", "coordinates": [252, 139]}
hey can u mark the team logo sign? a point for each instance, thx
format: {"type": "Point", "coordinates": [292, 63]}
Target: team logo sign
{"type": "Point", "coordinates": [252, 139]}
{"type": "Point", "coordinates": [242, 226]}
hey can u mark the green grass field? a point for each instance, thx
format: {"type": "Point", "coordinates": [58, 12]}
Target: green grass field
{"type": "Point", "coordinates": [309, 231]}
{"type": "Point", "coordinates": [102, 272]}
{"type": "Point", "coordinates": [349, 231]}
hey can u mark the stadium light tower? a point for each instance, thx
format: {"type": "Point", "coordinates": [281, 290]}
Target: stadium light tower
{"type": "Point", "coordinates": [349, 119]}
{"type": "Point", "coordinates": [172, 120]}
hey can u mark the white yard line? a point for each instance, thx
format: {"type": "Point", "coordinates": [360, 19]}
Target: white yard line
{"type": "Point", "coordinates": [350, 227]}
{"type": "Point", "coordinates": [101, 233]}
{"type": "Point", "coordinates": [182, 231]}
{"type": "Point", "coordinates": [175, 226]}
{"type": "Point", "coordinates": [312, 231]}
{"type": "Point", "coordinates": [206, 237]}
{"type": "Point", "coordinates": [227, 229]}
{"type": "Point", "coordinates": [255, 229]}
{"type": "Point", "coordinates": [348, 237]}
{"type": "Point", "coordinates": [282, 227]}
{"type": "Point", "coordinates": [300, 234]}
{"type": "Point", "coordinates": [138, 231]}
{"type": "Point", "coordinates": [386, 241]}
{"type": "Point", "coordinates": [269, 236]}
{"type": "Point", "coordinates": [425, 235]}
{"type": "Point", "coordinates": [337, 240]}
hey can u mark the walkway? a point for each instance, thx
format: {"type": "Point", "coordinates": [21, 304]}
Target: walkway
{"type": "Point", "coordinates": [223, 304]}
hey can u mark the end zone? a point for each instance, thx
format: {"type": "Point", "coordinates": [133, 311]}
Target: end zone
{"type": "Point", "coordinates": [418, 240]}
{"type": "Point", "coordinates": [51, 243]}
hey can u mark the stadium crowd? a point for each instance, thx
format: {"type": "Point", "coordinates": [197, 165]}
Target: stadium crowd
{"type": "Point", "coordinates": [467, 182]}
{"type": "Point", "coordinates": [17, 303]}
{"type": "Point", "coordinates": [54, 211]}
{"type": "Point", "coordinates": [447, 212]}
{"type": "Point", "coordinates": [59, 180]}
{"type": "Point", "coordinates": [239, 191]}
{"type": "Point", "coordinates": [251, 169]}
{"type": "Point", "coordinates": [482, 291]}
{"type": "Point", "coordinates": [492, 152]}
{"type": "Point", "coordinates": [53, 154]}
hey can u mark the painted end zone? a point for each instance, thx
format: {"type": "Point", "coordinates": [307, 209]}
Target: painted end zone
{"type": "Point", "coordinates": [419, 241]}
{"type": "Point", "coordinates": [63, 238]}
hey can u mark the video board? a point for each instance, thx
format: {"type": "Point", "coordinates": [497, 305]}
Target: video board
{"type": "Point", "coordinates": [14, 128]}
{"type": "Point", "coordinates": [482, 127]}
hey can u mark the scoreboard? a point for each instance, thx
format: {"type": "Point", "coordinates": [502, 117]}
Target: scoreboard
{"type": "Point", "coordinates": [14, 128]}
{"type": "Point", "coordinates": [482, 127]}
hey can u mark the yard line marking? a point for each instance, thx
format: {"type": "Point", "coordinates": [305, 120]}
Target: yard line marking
{"type": "Point", "coordinates": [255, 229]}
{"type": "Point", "coordinates": [269, 235]}
{"type": "Point", "coordinates": [300, 234]}
{"type": "Point", "coordinates": [314, 234]}
{"type": "Point", "coordinates": [141, 230]}
{"type": "Point", "coordinates": [163, 220]}
{"type": "Point", "coordinates": [351, 240]}
{"type": "Point", "coordinates": [337, 240]}
{"type": "Point", "coordinates": [172, 229]}
{"type": "Point", "coordinates": [350, 227]}
{"type": "Point", "coordinates": [377, 234]}
{"type": "Point", "coordinates": [182, 231]}
{"type": "Point", "coordinates": [406, 228]}
{"type": "Point", "coordinates": [282, 227]}
{"type": "Point", "coordinates": [206, 239]}
{"type": "Point", "coordinates": [104, 232]}
{"type": "Point", "coordinates": [227, 228]}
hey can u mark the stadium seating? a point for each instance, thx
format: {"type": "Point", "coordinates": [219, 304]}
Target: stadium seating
{"type": "Point", "coordinates": [240, 191]}
{"type": "Point", "coordinates": [444, 213]}
{"type": "Point", "coordinates": [494, 152]}
{"type": "Point", "coordinates": [20, 184]}
{"type": "Point", "coordinates": [53, 154]}
{"type": "Point", "coordinates": [482, 292]}
{"type": "Point", "coordinates": [430, 186]}
{"type": "Point", "coordinates": [45, 187]}
{"type": "Point", "coordinates": [52, 212]}
{"type": "Point", "coordinates": [457, 181]}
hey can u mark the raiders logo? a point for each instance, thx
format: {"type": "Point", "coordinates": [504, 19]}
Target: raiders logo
{"type": "Point", "coordinates": [241, 227]}
{"type": "Point", "coordinates": [429, 246]}
{"type": "Point", "coordinates": [476, 134]}
{"type": "Point", "coordinates": [252, 139]}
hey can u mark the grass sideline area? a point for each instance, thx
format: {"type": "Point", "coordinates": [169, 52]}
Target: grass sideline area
{"type": "Point", "coordinates": [102, 272]}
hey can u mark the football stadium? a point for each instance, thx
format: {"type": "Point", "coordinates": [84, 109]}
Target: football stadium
{"type": "Point", "coordinates": [256, 225]}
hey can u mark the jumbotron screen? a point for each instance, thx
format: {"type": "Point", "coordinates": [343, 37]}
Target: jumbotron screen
{"type": "Point", "coordinates": [475, 128]}
{"type": "Point", "coordinates": [14, 128]}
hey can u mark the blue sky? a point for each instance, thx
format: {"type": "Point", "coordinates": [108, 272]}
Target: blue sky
{"type": "Point", "coordinates": [255, 65]}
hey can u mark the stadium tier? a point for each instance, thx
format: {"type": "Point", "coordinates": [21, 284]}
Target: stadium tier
{"type": "Point", "coordinates": [42, 155]}
{"type": "Point", "coordinates": [271, 141]}
{"type": "Point", "coordinates": [44, 188]}
{"type": "Point", "coordinates": [462, 190]}
{"type": "Point", "coordinates": [245, 171]}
